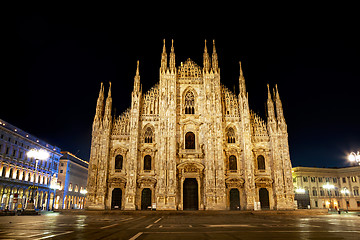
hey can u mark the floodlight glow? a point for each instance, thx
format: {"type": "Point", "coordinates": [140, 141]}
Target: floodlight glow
{"type": "Point", "coordinates": [345, 191]}
{"type": "Point", "coordinates": [300, 190]}
{"type": "Point", "coordinates": [354, 157]}
{"type": "Point", "coordinates": [55, 186]}
{"type": "Point", "coordinates": [83, 191]}
{"type": "Point", "coordinates": [329, 186]}
{"type": "Point", "coordinates": [38, 154]}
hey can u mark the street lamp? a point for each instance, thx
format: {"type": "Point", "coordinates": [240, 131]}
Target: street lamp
{"type": "Point", "coordinates": [354, 157]}
{"type": "Point", "coordinates": [345, 191]}
{"type": "Point", "coordinates": [37, 154]}
{"type": "Point", "coordinates": [329, 187]}
{"type": "Point", "coordinates": [83, 191]}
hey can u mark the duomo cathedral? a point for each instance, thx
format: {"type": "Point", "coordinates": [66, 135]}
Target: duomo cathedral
{"type": "Point", "coordinates": [189, 143]}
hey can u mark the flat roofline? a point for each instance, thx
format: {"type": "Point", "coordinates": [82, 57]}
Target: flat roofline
{"type": "Point", "coordinates": [72, 155]}
{"type": "Point", "coordinates": [17, 131]}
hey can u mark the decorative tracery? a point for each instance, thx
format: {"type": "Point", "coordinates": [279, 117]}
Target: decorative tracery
{"type": "Point", "coordinates": [148, 135]}
{"type": "Point", "coordinates": [189, 69]}
{"type": "Point", "coordinates": [230, 135]}
{"type": "Point", "coordinates": [189, 103]}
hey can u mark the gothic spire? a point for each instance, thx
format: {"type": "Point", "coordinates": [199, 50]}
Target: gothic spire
{"type": "Point", "coordinates": [163, 59]}
{"type": "Point", "coordinates": [108, 102]}
{"type": "Point", "coordinates": [242, 87]}
{"type": "Point", "coordinates": [107, 116]}
{"type": "Point", "coordinates": [100, 101]}
{"type": "Point", "coordinates": [206, 59]}
{"type": "Point", "coordinates": [270, 107]}
{"type": "Point", "coordinates": [215, 63]}
{"type": "Point", "coordinates": [279, 108]}
{"type": "Point", "coordinates": [137, 79]}
{"type": "Point", "coordinates": [99, 108]}
{"type": "Point", "coordinates": [172, 57]}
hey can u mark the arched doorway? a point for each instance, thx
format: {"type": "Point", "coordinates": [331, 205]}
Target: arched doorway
{"type": "Point", "coordinates": [234, 199]}
{"type": "Point", "coordinates": [264, 198]}
{"type": "Point", "coordinates": [116, 198]}
{"type": "Point", "coordinates": [145, 199]}
{"type": "Point", "coordinates": [190, 194]}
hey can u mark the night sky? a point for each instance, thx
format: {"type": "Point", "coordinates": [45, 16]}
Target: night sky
{"type": "Point", "coordinates": [56, 61]}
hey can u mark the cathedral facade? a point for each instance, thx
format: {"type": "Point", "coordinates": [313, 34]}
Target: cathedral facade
{"type": "Point", "coordinates": [189, 143]}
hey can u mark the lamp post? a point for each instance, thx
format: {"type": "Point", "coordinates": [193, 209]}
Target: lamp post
{"type": "Point", "coordinates": [345, 191]}
{"type": "Point", "coordinates": [37, 154]}
{"type": "Point", "coordinates": [329, 187]}
{"type": "Point", "coordinates": [354, 157]}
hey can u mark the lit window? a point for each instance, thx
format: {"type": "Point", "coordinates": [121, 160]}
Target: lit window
{"type": "Point", "coordinates": [76, 188]}
{"type": "Point", "coordinates": [70, 187]}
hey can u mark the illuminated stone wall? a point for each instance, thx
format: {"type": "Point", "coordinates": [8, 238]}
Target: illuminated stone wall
{"type": "Point", "coordinates": [189, 125]}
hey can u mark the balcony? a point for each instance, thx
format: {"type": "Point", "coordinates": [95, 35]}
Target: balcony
{"type": "Point", "coordinates": [191, 153]}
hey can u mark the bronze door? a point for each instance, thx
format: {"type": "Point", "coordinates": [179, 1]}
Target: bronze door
{"type": "Point", "coordinates": [145, 199]}
{"type": "Point", "coordinates": [264, 198]}
{"type": "Point", "coordinates": [190, 194]}
{"type": "Point", "coordinates": [116, 198]}
{"type": "Point", "coordinates": [234, 199]}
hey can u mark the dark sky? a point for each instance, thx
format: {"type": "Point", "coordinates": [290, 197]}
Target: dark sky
{"type": "Point", "coordinates": [56, 61]}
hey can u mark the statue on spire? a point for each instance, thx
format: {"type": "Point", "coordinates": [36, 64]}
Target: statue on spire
{"type": "Point", "coordinates": [215, 64]}
{"type": "Point", "coordinates": [270, 110]}
{"type": "Point", "coordinates": [242, 87]}
{"type": "Point", "coordinates": [163, 59]}
{"type": "Point", "coordinates": [137, 79]}
{"type": "Point", "coordinates": [206, 59]}
{"type": "Point", "coordinates": [172, 57]}
{"type": "Point", "coordinates": [108, 107]}
{"type": "Point", "coordinates": [99, 109]}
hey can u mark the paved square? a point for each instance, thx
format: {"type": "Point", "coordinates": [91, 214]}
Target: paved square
{"type": "Point", "coordinates": [158, 225]}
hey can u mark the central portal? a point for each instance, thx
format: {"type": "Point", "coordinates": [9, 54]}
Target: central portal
{"type": "Point", "coordinates": [190, 194]}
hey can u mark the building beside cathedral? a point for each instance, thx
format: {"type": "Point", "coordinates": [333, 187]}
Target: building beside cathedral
{"type": "Point", "coordinates": [189, 143]}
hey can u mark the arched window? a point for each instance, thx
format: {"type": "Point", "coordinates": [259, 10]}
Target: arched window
{"type": "Point", "coordinates": [314, 192]}
{"type": "Point", "coordinates": [3, 172]}
{"type": "Point", "coordinates": [118, 162]}
{"type": "Point", "coordinates": [189, 103]}
{"type": "Point", "coordinates": [231, 135]}
{"type": "Point", "coordinates": [11, 173]}
{"type": "Point", "coordinates": [189, 140]}
{"type": "Point", "coordinates": [17, 174]}
{"type": "Point", "coordinates": [147, 162]}
{"type": "Point", "coordinates": [148, 135]}
{"type": "Point", "coordinates": [261, 162]}
{"type": "Point", "coordinates": [232, 163]}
